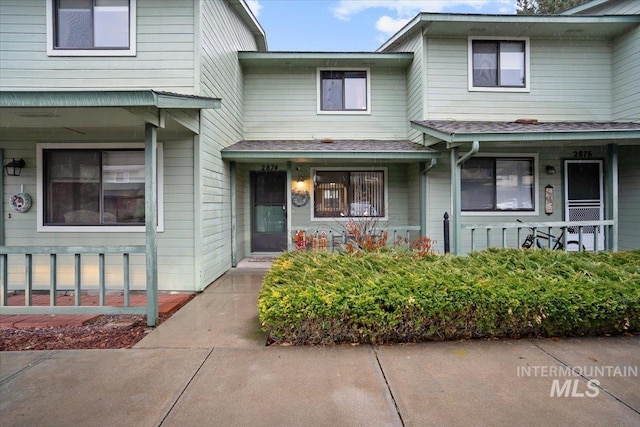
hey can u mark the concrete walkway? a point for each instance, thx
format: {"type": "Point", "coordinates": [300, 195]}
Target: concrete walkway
{"type": "Point", "coordinates": [208, 366]}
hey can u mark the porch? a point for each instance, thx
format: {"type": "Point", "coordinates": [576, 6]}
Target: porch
{"type": "Point", "coordinates": [318, 187]}
{"type": "Point", "coordinates": [39, 244]}
{"type": "Point", "coordinates": [558, 235]}
{"type": "Point", "coordinates": [554, 176]}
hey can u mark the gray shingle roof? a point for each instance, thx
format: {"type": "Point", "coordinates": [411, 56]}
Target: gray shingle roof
{"type": "Point", "coordinates": [335, 150]}
{"type": "Point", "coordinates": [340, 145]}
{"type": "Point", "coordinates": [452, 127]}
{"type": "Point", "coordinates": [453, 131]}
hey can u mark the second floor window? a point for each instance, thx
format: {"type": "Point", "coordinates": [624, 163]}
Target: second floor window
{"type": "Point", "coordinates": [92, 24]}
{"type": "Point", "coordinates": [497, 64]}
{"type": "Point", "coordinates": [343, 90]}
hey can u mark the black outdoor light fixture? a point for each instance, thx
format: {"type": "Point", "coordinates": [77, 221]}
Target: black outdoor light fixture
{"type": "Point", "coordinates": [14, 167]}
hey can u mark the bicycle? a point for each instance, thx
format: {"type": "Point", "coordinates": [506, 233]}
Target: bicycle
{"type": "Point", "coordinates": [558, 245]}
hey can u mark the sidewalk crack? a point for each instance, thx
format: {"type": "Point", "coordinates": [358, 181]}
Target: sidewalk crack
{"type": "Point", "coordinates": [30, 365]}
{"type": "Point", "coordinates": [384, 376]}
{"type": "Point", "coordinates": [584, 377]}
{"type": "Point", "coordinates": [173, 405]}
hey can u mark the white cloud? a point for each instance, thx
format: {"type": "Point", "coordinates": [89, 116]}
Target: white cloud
{"type": "Point", "coordinates": [402, 11]}
{"type": "Point", "coordinates": [405, 8]}
{"type": "Point", "coordinates": [389, 25]}
{"type": "Point", "coordinates": [255, 7]}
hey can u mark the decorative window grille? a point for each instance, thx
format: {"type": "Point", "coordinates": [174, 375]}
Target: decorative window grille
{"type": "Point", "coordinates": [349, 194]}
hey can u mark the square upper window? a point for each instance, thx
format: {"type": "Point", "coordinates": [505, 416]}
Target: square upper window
{"type": "Point", "coordinates": [91, 27]}
{"type": "Point", "coordinates": [343, 91]}
{"type": "Point", "coordinates": [498, 65]}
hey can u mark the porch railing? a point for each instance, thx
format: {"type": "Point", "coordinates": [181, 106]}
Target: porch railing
{"type": "Point", "coordinates": [506, 232]}
{"type": "Point", "coordinates": [315, 237]}
{"type": "Point", "coordinates": [53, 288]}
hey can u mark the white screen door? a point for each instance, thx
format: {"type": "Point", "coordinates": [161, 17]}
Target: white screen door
{"type": "Point", "coordinates": [584, 198]}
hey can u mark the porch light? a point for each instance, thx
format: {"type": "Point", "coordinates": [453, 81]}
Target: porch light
{"type": "Point", "coordinates": [550, 170]}
{"type": "Point", "coordinates": [300, 183]}
{"type": "Point", "coordinates": [14, 167]}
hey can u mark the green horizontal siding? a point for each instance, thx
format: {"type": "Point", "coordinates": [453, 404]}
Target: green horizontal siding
{"type": "Point", "coordinates": [557, 91]}
{"type": "Point", "coordinates": [282, 104]}
{"type": "Point", "coordinates": [626, 77]}
{"type": "Point", "coordinates": [164, 59]}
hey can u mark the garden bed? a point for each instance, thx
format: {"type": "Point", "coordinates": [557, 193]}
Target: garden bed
{"type": "Point", "coordinates": [396, 296]}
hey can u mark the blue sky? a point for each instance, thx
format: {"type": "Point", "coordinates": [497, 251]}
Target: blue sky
{"type": "Point", "coordinates": [351, 25]}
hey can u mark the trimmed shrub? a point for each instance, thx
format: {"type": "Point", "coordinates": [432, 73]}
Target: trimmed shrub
{"type": "Point", "coordinates": [396, 296]}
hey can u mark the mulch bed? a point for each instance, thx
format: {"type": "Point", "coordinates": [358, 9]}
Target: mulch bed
{"type": "Point", "coordinates": [105, 332]}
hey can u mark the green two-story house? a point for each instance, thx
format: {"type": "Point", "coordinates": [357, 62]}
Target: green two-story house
{"type": "Point", "coordinates": [167, 131]}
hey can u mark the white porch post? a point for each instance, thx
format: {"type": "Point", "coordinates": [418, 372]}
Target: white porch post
{"type": "Point", "coordinates": [151, 221]}
{"type": "Point", "coordinates": [612, 187]}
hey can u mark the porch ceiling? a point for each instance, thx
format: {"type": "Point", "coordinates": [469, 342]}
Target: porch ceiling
{"type": "Point", "coordinates": [453, 132]}
{"type": "Point", "coordinates": [328, 150]}
{"type": "Point", "coordinates": [98, 115]}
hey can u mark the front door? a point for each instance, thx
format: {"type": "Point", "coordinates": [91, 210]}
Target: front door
{"type": "Point", "coordinates": [584, 199]}
{"type": "Point", "coordinates": [269, 212]}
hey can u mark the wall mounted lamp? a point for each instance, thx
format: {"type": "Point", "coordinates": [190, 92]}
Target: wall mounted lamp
{"type": "Point", "coordinates": [550, 170]}
{"type": "Point", "coordinates": [14, 167]}
{"type": "Point", "coordinates": [300, 183]}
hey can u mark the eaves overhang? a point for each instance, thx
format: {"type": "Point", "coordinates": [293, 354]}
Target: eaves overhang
{"type": "Point", "coordinates": [91, 98]}
{"type": "Point", "coordinates": [325, 59]}
{"type": "Point", "coordinates": [458, 132]}
{"type": "Point", "coordinates": [394, 151]}
{"type": "Point", "coordinates": [244, 11]}
{"type": "Point", "coordinates": [586, 6]}
{"type": "Point", "coordinates": [536, 26]}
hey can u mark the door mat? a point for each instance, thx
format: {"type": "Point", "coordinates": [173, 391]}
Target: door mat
{"type": "Point", "coordinates": [262, 259]}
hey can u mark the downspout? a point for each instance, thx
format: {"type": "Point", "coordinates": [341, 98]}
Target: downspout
{"type": "Point", "coordinates": [475, 147]}
{"type": "Point", "coordinates": [456, 193]}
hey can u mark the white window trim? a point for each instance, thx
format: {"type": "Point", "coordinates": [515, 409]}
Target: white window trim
{"type": "Point", "coordinates": [51, 51]}
{"type": "Point", "coordinates": [527, 68]}
{"type": "Point", "coordinates": [42, 228]}
{"type": "Point", "coordinates": [350, 218]}
{"type": "Point", "coordinates": [350, 112]}
{"type": "Point", "coordinates": [536, 189]}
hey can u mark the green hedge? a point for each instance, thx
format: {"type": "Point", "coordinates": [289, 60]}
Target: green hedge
{"type": "Point", "coordinates": [394, 296]}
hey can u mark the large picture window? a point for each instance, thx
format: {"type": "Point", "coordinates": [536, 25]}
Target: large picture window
{"type": "Point", "coordinates": [498, 64]}
{"type": "Point", "coordinates": [91, 27]}
{"type": "Point", "coordinates": [92, 187]}
{"type": "Point", "coordinates": [344, 91]}
{"type": "Point", "coordinates": [498, 184]}
{"type": "Point", "coordinates": [349, 194]}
